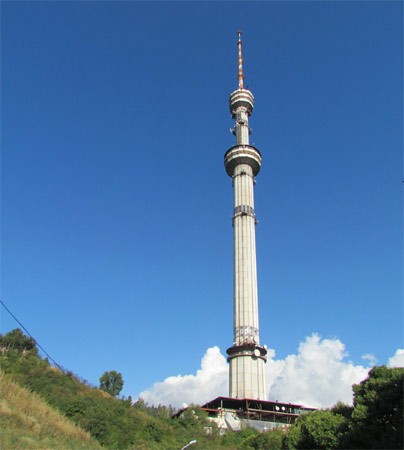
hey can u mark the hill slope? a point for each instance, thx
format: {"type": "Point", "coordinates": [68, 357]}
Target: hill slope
{"type": "Point", "coordinates": [28, 422]}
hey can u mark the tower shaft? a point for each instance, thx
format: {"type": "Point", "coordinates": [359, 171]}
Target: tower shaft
{"type": "Point", "coordinates": [245, 270]}
{"type": "Point", "coordinates": [243, 161]}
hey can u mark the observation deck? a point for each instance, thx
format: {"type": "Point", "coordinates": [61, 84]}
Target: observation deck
{"type": "Point", "coordinates": [241, 98]}
{"type": "Point", "coordinates": [242, 154]}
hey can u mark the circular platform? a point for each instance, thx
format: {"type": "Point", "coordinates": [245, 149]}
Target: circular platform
{"type": "Point", "coordinates": [246, 349]}
{"type": "Point", "coordinates": [242, 154]}
{"type": "Point", "coordinates": [241, 98]}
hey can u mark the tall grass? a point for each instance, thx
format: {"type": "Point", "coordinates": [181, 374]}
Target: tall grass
{"type": "Point", "coordinates": [28, 422]}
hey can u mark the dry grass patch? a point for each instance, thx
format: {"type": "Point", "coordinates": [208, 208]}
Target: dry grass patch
{"type": "Point", "coordinates": [28, 422]}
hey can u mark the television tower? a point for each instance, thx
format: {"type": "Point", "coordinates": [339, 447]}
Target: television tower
{"type": "Point", "coordinates": [243, 161]}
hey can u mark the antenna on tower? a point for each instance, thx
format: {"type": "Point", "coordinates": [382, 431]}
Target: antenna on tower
{"type": "Point", "coordinates": [240, 63]}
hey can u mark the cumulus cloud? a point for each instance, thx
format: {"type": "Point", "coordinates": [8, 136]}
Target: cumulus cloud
{"type": "Point", "coordinates": [397, 360]}
{"type": "Point", "coordinates": [210, 381]}
{"type": "Point", "coordinates": [318, 376]}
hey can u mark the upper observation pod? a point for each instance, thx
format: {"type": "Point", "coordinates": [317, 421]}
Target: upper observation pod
{"type": "Point", "coordinates": [241, 97]}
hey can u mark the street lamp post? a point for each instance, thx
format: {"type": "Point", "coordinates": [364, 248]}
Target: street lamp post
{"type": "Point", "coordinates": [189, 443]}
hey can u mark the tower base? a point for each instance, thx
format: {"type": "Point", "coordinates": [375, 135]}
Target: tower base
{"type": "Point", "coordinates": [247, 371]}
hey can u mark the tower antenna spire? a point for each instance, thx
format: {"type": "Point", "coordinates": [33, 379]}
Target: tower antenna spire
{"type": "Point", "coordinates": [240, 63]}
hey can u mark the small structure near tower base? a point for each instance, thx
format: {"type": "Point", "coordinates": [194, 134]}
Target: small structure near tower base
{"type": "Point", "coordinates": [235, 414]}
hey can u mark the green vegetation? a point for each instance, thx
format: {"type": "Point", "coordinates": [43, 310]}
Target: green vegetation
{"type": "Point", "coordinates": [317, 429]}
{"type": "Point", "coordinates": [111, 382]}
{"type": "Point", "coordinates": [28, 422]}
{"type": "Point", "coordinates": [16, 340]}
{"type": "Point", "coordinates": [374, 421]}
{"type": "Point", "coordinates": [377, 416]}
{"type": "Point", "coordinates": [116, 423]}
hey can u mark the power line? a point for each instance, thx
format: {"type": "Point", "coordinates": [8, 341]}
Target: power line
{"type": "Point", "coordinates": [30, 335]}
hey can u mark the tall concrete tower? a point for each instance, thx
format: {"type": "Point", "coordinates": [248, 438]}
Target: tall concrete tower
{"type": "Point", "coordinates": [243, 161]}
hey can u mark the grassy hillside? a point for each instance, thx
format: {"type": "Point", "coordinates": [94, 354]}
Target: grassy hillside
{"type": "Point", "coordinates": [28, 422]}
{"type": "Point", "coordinates": [116, 423]}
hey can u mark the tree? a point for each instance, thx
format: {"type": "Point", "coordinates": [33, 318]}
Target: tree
{"type": "Point", "coordinates": [267, 440]}
{"type": "Point", "coordinates": [377, 417]}
{"type": "Point", "coordinates": [315, 430]}
{"type": "Point", "coordinates": [111, 382]}
{"type": "Point", "coordinates": [17, 340]}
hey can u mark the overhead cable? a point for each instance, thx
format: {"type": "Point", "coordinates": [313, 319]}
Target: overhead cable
{"type": "Point", "coordinates": [30, 335]}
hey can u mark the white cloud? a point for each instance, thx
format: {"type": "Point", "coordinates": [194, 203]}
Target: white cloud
{"type": "Point", "coordinates": [370, 357]}
{"type": "Point", "coordinates": [318, 375]}
{"type": "Point", "coordinates": [210, 381]}
{"type": "Point", "coordinates": [398, 359]}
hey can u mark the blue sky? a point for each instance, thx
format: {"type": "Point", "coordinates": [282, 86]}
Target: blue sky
{"type": "Point", "coordinates": [116, 208]}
